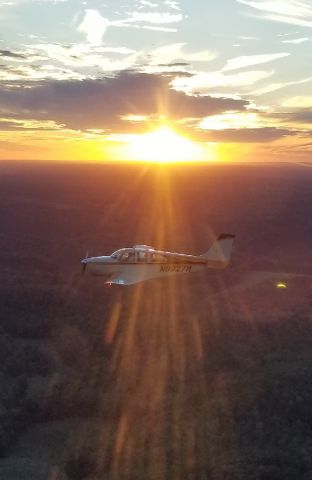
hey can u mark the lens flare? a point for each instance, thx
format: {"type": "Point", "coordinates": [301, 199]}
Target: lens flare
{"type": "Point", "coordinates": [164, 146]}
{"type": "Point", "coordinates": [162, 404]}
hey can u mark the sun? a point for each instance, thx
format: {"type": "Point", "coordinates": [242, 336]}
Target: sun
{"type": "Point", "coordinates": [164, 146]}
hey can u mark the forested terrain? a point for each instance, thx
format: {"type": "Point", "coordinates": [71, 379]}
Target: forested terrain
{"type": "Point", "coordinates": [202, 377]}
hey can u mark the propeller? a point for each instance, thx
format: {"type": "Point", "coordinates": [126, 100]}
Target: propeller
{"type": "Point", "coordinates": [84, 263]}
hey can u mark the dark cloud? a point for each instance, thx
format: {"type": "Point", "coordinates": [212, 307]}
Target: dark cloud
{"type": "Point", "coordinates": [244, 135]}
{"type": "Point", "coordinates": [175, 64]}
{"type": "Point", "coordinates": [9, 126]}
{"type": "Point", "coordinates": [14, 126]}
{"type": "Point", "coordinates": [101, 103]}
{"type": "Point", "coordinates": [10, 54]}
{"type": "Point", "coordinates": [176, 73]}
{"type": "Point", "coordinates": [303, 115]}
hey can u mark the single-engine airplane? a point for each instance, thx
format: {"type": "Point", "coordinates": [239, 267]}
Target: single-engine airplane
{"type": "Point", "coordinates": [141, 262]}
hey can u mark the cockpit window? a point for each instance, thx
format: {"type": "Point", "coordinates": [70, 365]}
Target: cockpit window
{"type": "Point", "coordinates": [159, 258]}
{"type": "Point", "coordinates": [123, 255]}
{"type": "Point", "coordinates": [116, 255]}
{"type": "Point", "coordinates": [142, 256]}
{"type": "Point", "coordinates": [131, 257]}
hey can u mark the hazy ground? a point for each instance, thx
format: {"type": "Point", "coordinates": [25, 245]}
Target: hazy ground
{"type": "Point", "coordinates": [194, 377]}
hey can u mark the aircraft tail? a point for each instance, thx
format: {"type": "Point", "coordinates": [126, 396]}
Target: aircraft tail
{"type": "Point", "coordinates": [220, 251]}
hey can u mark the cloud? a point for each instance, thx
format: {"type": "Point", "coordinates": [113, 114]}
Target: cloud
{"type": "Point", "coordinates": [150, 20]}
{"type": "Point", "coordinates": [250, 60]}
{"type": "Point", "coordinates": [154, 17]}
{"type": "Point", "coordinates": [177, 53]}
{"type": "Point", "coordinates": [64, 61]}
{"type": "Point", "coordinates": [87, 58]}
{"type": "Point", "coordinates": [11, 55]}
{"type": "Point", "coordinates": [146, 3]}
{"type": "Point", "coordinates": [9, 124]}
{"type": "Point", "coordinates": [149, 27]}
{"type": "Point", "coordinates": [172, 4]}
{"type": "Point", "coordinates": [209, 82]}
{"type": "Point", "coordinates": [94, 26]}
{"type": "Point", "coordinates": [232, 120]}
{"type": "Point", "coordinates": [11, 3]}
{"type": "Point", "coordinates": [277, 86]}
{"type": "Point", "coordinates": [297, 40]}
{"type": "Point", "coordinates": [245, 135]}
{"type": "Point", "coordinates": [174, 64]}
{"type": "Point", "coordinates": [303, 115]}
{"type": "Point", "coordinates": [33, 73]}
{"type": "Point", "coordinates": [299, 101]}
{"type": "Point", "coordinates": [101, 104]}
{"type": "Point", "coordinates": [296, 12]}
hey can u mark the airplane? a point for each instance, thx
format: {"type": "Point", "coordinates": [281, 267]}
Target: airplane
{"type": "Point", "coordinates": [142, 262]}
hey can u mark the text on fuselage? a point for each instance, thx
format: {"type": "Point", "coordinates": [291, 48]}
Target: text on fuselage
{"type": "Point", "coordinates": [176, 268]}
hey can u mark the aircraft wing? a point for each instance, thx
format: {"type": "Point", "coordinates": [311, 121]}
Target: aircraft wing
{"type": "Point", "coordinates": [128, 278]}
{"type": "Point", "coordinates": [122, 280]}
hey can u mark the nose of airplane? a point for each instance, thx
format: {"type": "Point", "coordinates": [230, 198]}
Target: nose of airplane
{"type": "Point", "coordinates": [84, 263]}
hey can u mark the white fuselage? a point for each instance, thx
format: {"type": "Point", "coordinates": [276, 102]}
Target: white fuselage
{"type": "Point", "coordinates": [106, 266]}
{"type": "Point", "coordinates": [141, 262]}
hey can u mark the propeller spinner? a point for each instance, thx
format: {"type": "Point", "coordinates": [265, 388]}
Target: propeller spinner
{"type": "Point", "coordinates": [84, 262]}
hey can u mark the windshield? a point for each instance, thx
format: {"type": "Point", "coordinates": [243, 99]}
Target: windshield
{"type": "Point", "coordinates": [117, 254]}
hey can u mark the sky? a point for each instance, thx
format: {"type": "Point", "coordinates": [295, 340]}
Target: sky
{"type": "Point", "coordinates": [87, 80]}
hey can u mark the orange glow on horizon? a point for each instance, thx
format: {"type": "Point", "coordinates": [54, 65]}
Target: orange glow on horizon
{"type": "Point", "coordinates": [162, 146]}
